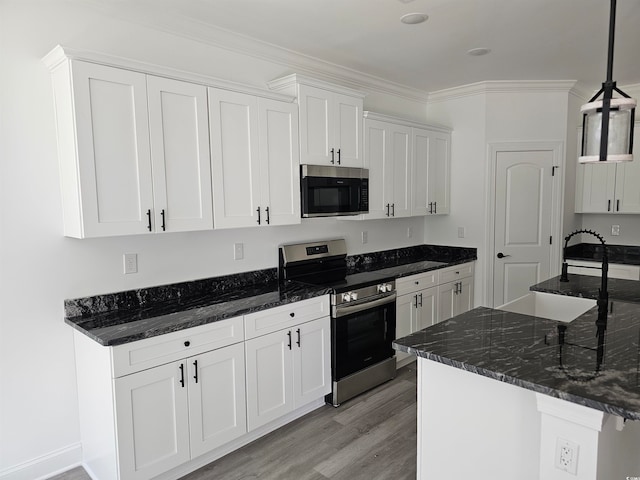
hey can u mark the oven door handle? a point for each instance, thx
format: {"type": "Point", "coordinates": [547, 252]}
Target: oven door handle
{"type": "Point", "coordinates": [348, 310]}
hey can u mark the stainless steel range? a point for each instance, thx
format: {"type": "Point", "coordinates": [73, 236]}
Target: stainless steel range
{"type": "Point", "coordinates": [363, 315]}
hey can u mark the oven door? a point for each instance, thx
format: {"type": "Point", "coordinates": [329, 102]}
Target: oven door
{"type": "Point", "coordinates": [362, 335]}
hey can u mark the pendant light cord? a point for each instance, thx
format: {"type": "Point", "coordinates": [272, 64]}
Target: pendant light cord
{"type": "Point", "coordinates": [612, 30]}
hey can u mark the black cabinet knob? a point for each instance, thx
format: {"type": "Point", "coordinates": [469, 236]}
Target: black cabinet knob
{"type": "Point", "coordinates": [187, 343]}
{"type": "Point", "coordinates": [292, 314]}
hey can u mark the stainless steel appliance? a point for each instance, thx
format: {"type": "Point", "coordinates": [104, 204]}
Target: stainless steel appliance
{"type": "Point", "coordinates": [328, 191]}
{"type": "Point", "coordinates": [363, 315]}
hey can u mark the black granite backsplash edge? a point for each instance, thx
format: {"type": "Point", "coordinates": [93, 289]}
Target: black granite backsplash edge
{"type": "Point", "coordinates": [624, 254]}
{"type": "Point", "coordinates": [131, 300]}
{"type": "Point", "coordinates": [418, 253]}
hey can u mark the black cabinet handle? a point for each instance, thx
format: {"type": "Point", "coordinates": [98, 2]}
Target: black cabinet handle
{"type": "Point", "coordinates": [162, 215]}
{"type": "Point", "coordinates": [187, 343]}
{"type": "Point", "coordinates": [415, 300]}
{"type": "Point", "coordinates": [267, 210]}
{"type": "Point", "coordinates": [195, 367]}
{"type": "Point", "coordinates": [149, 219]}
{"type": "Point", "coordinates": [618, 205]}
{"type": "Point", "coordinates": [258, 210]}
{"type": "Point", "coordinates": [393, 209]}
{"type": "Point", "coordinates": [292, 314]}
{"type": "Point", "coordinates": [289, 334]}
{"type": "Point", "coordinates": [338, 156]}
{"type": "Point", "coordinates": [420, 299]}
{"type": "Point", "coordinates": [298, 342]}
{"type": "Point", "coordinates": [388, 206]}
{"type": "Point", "coordinates": [435, 207]}
{"type": "Point", "coordinates": [608, 205]}
{"type": "Point", "coordinates": [430, 207]}
{"type": "Point", "coordinates": [182, 374]}
{"type": "Point", "coordinates": [332, 155]}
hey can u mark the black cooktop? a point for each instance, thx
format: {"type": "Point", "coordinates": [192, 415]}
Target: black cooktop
{"type": "Point", "coordinates": [350, 282]}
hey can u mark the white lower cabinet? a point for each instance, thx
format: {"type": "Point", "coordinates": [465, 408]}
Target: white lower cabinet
{"type": "Point", "coordinates": [287, 369]}
{"type": "Point", "coordinates": [414, 312]}
{"type": "Point", "coordinates": [455, 291]}
{"type": "Point", "coordinates": [172, 413]}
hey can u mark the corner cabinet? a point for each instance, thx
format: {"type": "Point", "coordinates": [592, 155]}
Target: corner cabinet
{"type": "Point", "coordinates": [133, 151]}
{"type": "Point", "coordinates": [608, 188]}
{"type": "Point", "coordinates": [330, 120]}
{"type": "Point", "coordinates": [255, 162]}
{"type": "Point", "coordinates": [166, 405]}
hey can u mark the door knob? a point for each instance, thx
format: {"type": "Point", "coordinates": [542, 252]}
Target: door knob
{"type": "Point", "coordinates": [502, 255]}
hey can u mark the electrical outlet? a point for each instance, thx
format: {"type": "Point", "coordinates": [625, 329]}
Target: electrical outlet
{"type": "Point", "coordinates": [409, 232]}
{"type": "Point", "coordinates": [460, 232]}
{"type": "Point", "coordinates": [130, 261]}
{"type": "Point", "coordinates": [238, 251]}
{"type": "Point", "coordinates": [365, 237]}
{"type": "Point", "coordinates": [615, 229]}
{"type": "Point", "coordinates": [567, 455]}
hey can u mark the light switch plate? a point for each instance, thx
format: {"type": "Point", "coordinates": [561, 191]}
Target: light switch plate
{"type": "Point", "coordinates": [615, 229]}
{"type": "Point", "coordinates": [130, 261]}
{"type": "Point", "coordinates": [238, 251]}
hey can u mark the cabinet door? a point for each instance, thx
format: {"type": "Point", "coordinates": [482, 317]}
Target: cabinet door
{"type": "Point", "coordinates": [464, 297]}
{"type": "Point", "coordinates": [179, 138]}
{"type": "Point", "coordinates": [438, 172]}
{"type": "Point", "coordinates": [316, 125]}
{"type": "Point", "coordinates": [152, 421]}
{"type": "Point", "coordinates": [406, 312]}
{"type": "Point", "coordinates": [311, 361]}
{"type": "Point", "coordinates": [114, 163]}
{"type": "Point", "coordinates": [378, 159]}
{"type": "Point", "coordinates": [402, 158]}
{"type": "Point", "coordinates": [217, 400]}
{"type": "Point", "coordinates": [627, 180]}
{"type": "Point", "coordinates": [233, 122]}
{"type": "Point", "coordinates": [269, 377]}
{"type": "Point", "coordinates": [279, 162]}
{"type": "Point", "coordinates": [420, 192]}
{"type": "Point", "coordinates": [347, 122]}
{"type": "Point", "coordinates": [446, 301]}
{"type": "Point", "coordinates": [427, 300]}
{"type": "Point", "coordinates": [598, 187]}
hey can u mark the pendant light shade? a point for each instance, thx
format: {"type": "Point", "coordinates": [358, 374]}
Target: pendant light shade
{"type": "Point", "coordinates": [607, 123]}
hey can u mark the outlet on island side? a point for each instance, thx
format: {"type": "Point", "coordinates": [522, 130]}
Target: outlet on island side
{"type": "Point", "coordinates": [365, 237]}
{"type": "Point", "coordinates": [615, 229]}
{"type": "Point", "coordinates": [238, 251]}
{"type": "Point", "coordinates": [130, 261]}
{"type": "Point", "coordinates": [567, 456]}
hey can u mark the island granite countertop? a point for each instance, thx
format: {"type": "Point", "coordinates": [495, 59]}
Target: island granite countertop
{"type": "Point", "coordinates": [123, 317]}
{"type": "Point", "coordinates": [554, 358]}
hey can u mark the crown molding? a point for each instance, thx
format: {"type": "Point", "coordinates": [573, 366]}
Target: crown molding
{"type": "Point", "coordinates": [499, 86]}
{"type": "Point", "coordinates": [290, 82]}
{"type": "Point", "coordinates": [405, 122]}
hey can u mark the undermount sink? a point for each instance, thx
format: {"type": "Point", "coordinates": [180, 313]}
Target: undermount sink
{"type": "Point", "coordinates": [548, 305]}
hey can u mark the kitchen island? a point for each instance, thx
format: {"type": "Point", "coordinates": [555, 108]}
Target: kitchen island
{"type": "Point", "coordinates": [504, 395]}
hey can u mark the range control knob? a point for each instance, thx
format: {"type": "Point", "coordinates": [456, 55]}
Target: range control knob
{"type": "Point", "coordinates": [354, 296]}
{"type": "Point", "coordinates": [384, 287]}
{"type": "Point", "coordinates": [346, 297]}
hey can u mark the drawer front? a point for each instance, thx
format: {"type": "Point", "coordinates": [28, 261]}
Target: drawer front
{"type": "Point", "coordinates": [135, 356]}
{"type": "Point", "coordinates": [456, 272]}
{"type": "Point", "coordinates": [417, 282]}
{"type": "Point", "coordinates": [285, 316]}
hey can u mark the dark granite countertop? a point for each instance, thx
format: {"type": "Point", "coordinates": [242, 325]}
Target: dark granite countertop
{"type": "Point", "coordinates": [554, 358]}
{"type": "Point", "coordinates": [122, 317]}
{"type": "Point", "coordinates": [624, 254]}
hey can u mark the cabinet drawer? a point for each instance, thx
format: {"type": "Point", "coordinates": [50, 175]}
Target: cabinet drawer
{"type": "Point", "coordinates": [143, 354]}
{"type": "Point", "coordinates": [456, 272]}
{"type": "Point", "coordinates": [416, 282]}
{"type": "Point", "coordinates": [273, 319]}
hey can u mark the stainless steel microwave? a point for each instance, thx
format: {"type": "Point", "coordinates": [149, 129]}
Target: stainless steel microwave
{"type": "Point", "coordinates": [328, 191]}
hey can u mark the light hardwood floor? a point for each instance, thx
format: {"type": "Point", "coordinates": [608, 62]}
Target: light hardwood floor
{"type": "Point", "coordinates": [372, 437]}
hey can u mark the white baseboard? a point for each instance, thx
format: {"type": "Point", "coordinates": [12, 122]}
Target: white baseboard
{"type": "Point", "coordinates": [45, 466]}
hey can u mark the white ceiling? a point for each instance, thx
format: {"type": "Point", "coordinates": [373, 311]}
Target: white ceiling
{"type": "Point", "coordinates": [529, 39]}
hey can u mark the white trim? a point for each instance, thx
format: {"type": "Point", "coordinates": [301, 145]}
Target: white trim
{"type": "Point", "coordinates": [557, 204]}
{"type": "Point", "coordinates": [500, 86]}
{"type": "Point", "coordinates": [570, 412]}
{"type": "Point", "coordinates": [291, 81]}
{"type": "Point", "coordinates": [404, 121]}
{"type": "Point", "coordinates": [46, 465]}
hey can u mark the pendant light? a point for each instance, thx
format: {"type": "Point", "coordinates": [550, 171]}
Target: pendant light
{"type": "Point", "coordinates": [607, 124]}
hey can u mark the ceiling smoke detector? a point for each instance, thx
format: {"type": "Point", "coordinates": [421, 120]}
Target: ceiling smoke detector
{"type": "Point", "coordinates": [414, 18]}
{"type": "Point", "coordinates": [478, 52]}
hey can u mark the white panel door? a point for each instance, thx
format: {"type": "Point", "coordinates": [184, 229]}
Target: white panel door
{"type": "Point", "coordinates": [420, 176]}
{"type": "Point", "coordinates": [179, 133]}
{"type": "Point", "coordinates": [152, 421]}
{"type": "Point", "coordinates": [463, 301]}
{"type": "Point", "coordinates": [402, 159]}
{"type": "Point", "coordinates": [311, 361]}
{"type": "Point", "coordinates": [279, 162]}
{"type": "Point", "coordinates": [379, 161]}
{"type": "Point", "coordinates": [348, 130]}
{"type": "Point", "coordinates": [217, 400]}
{"type": "Point", "coordinates": [235, 159]}
{"type": "Point", "coordinates": [522, 249]}
{"type": "Point", "coordinates": [427, 301]}
{"type": "Point", "coordinates": [316, 125]}
{"type": "Point", "coordinates": [114, 160]}
{"type": "Point", "coordinates": [446, 301]}
{"type": "Point", "coordinates": [269, 377]}
{"type": "Point", "coordinates": [438, 173]}
{"type": "Point", "coordinates": [598, 187]}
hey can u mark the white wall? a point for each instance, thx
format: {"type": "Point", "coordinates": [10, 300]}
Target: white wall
{"type": "Point", "coordinates": [482, 116]}
{"type": "Point", "coordinates": [39, 268]}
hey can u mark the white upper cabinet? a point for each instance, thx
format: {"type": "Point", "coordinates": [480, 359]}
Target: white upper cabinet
{"type": "Point", "coordinates": [255, 163]}
{"type": "Point", "coordinates": [608, 188]}
{"type": "Point", "coordinates": [388, 157]}
{"type": "Point", "coordinates": [179, 133]}
{"type": "Point", "coordinates": [330, 121]}
{"type": "Point", "coordinates": [431, 182]}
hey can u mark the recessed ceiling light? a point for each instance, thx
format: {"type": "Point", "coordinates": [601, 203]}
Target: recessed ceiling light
{"type": "Point", "coordinates": [477, 52]}
{"type": "Point", "coordinates": [413, 18]}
